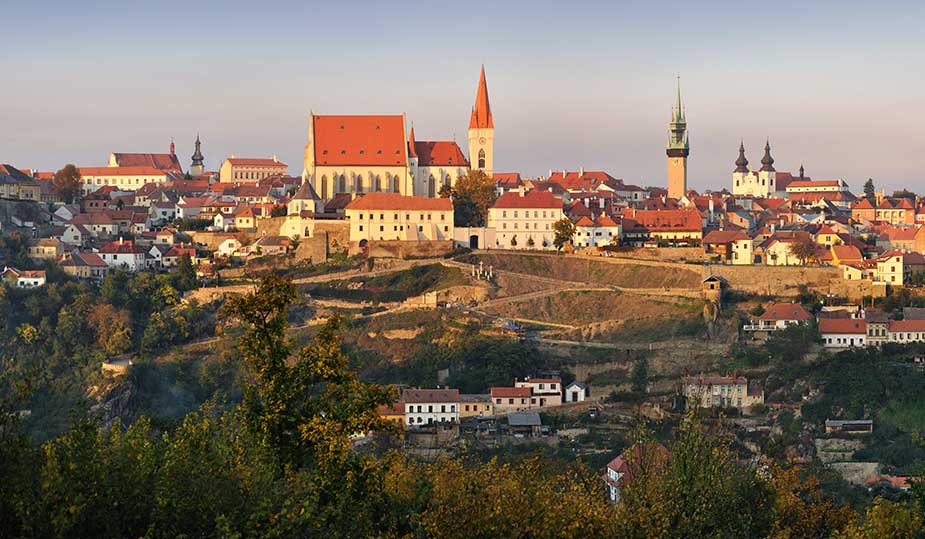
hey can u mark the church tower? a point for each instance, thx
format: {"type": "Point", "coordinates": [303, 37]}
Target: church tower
{"type": "Point", "coordinates": [196, 167]}
{"type": "Point", "coordinates": [678, 149]}
{"type": "Point", "coordinates": [481, 131]}
{"type": "Point", "coordinates": [767, 174]}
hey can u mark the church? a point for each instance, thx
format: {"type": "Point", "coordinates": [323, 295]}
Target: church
{"type": "Point", "coordinates": [379, 153]}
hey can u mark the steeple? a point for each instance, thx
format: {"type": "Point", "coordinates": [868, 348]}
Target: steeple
{"type": "Point", "coordinates": [767, 162]}
{"type": "Point", "coordinates": [172, 148]}
{"type": "Point", "coordinates": [481, 112]}
{"type": "Point", "coordinates": [741, 162]}
{"type": "Point", "coordinates": [677, 128]}
{"type": "Point", "coordinates": [411, 152]}
{"type": "Point", "coordinates": [678, 109]}
{"type": "Point", "coordinates": [196, 167]}
{"type": "Point", "coordinates": [801, 172]}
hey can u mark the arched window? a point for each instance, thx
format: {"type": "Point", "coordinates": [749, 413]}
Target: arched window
{"type": "Point", "coordinates": [394, 184]}
{"type": "Point", "coordinates": [358, 184]}
{"type": "Point", "coordinates": [342, 184]}
{"type": "Point", "coordinates": [378, 183]}
{"type": "Point", "coordinates": [482, 158]}
{"type": "Point", "coordinates": [431, 186]}
{"type": "Point", "coordinates": [324, 188]}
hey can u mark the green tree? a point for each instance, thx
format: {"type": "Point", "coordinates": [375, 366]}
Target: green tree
{"type": "Point", "coordinates": [66, 183]}
{"type": "Point", "coordinates": [472, 195]}
{"type": "Point", "coordinates": [564, 232]}
{"type": "Point", "coordinates": [186, 275]}
{"type": "Point", "coordinates": [639, 377]}
{"type": "Point", "coordinates": [803, 248]}
{"type": "Point", "coordinates": [869, 189]}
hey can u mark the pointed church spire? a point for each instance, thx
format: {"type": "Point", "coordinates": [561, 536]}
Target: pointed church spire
{"type": "Point", "coordinates": [741, 162]}
{"type": "Point", "coordinates": [767, 162]}
{"type": "Point", "coordinates": [801, 172]}
{"type": "Point", "coordinates": [679, 111]}
{"type": "Point", "coordinates": [481, 113]}
{"type": "Point", "coordinates": [411, 152]}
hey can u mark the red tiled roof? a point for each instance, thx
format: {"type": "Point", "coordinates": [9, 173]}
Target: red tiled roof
{"type": "Point", "coordinates": [161, 161]}
{"type": "Point", "coordinates": [629, 461]}
{"type": "Point", "coordinates": [396, 201]}
{"type": "Point", "coordinates": [125, 247]}
{"type": "Point", "coordinates": [359, 140]}
{"type": "Point", "coordinates": [586, 181]}
{"type": "Point", "coordinates": [441, 152]}
{"type": "Point", "coordinates": [687, 220]}
{"type": "Point", "coordinates": [510, 392]}
{"type": "Point", "coordinates": [814, 183]}
{"type": "Point", "coordinates": [604, 221]}
{"type": "Point", "coordinates": [785, 311]}
{"type": "Point", "coordinates": [584, 221]}
{"type": "Point", "coordinates": [256, 162]}
{"type": "Point", "coordinates": [907, 325]}
{"type": "Point", "coordinates": [122, 171]}
{"type": "Point", "coordinates": [397, 408]}
{"type": "Point", "coordinates": [724, 236]}
{"type": "Point", "coordinates": [715, 380]}
{"type": "Point", "coordinates": [843, 326]}
{"type": "Point", "coordinates": [530, 199]}
{"type": "Point", "coordinates": [430, 395]}
{"type": "Point", "coordinates": [847, 253]}
{"type": "Point", "coordinates": [507, 180]}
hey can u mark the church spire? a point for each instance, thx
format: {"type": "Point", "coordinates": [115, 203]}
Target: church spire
{"type": "Point", "coordinates": [679, 110]}
{"type": "Point", "coordinates": [481, 113]}
{"type": "Point", "coordinates": [411, 152]}
{"type": "Point", "coordinates": [767, 162]}
{"type": "Point", "coordinates": [741, 162]}
{"type": "Point", "coordinates": [677, 128]}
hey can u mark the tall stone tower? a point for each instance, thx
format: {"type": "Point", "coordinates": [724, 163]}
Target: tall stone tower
{"type": "Point", "coordinates": [482, 131]}
{"type": "Point", "coordinates": [678, 149]}
{"type": "Point", "coordinates": [196, 167]}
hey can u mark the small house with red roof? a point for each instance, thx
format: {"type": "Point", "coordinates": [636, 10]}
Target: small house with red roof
{"type": "Point", "coordinates": [638, 459]}
{"type": "Point", "coordinates": [732, 246]}
{"type": "Point", "coordinates": [22, 278]}
{"type": "Point", "coordinates": [123, 254]}
{"type": "Point", "coordinates": [843, 332]}
{"type": "Point", "coordinates": [599, 232]}
{"type": "Point", "coordinates": [778, 316]}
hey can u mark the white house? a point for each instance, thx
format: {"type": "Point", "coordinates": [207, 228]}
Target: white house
{"type": "Point", "coordinates": [843, 332]}
{"type": "Point", "coordinates": [597, 233]}
{"type": "Point", "coordinates": [543, 391]}
{"type": "Point", "coordinates": [576, 392]}
{"type": "Point", "coordinates": [228, 247]}
{"type": "Point", "coordinates": [123, 254]}
{"type": "Point", "coordinates": [391, 216]}
{"type": "Point", "coordinates": [524, 220]}
{"type": "Point", "coordinates": [23, 278]}
{"type": "Point", "coordinates": [779, 316]}
{"type": "Point", "coordinates": [427, 406]}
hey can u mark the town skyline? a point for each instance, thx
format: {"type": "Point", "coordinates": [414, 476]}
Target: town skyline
{"type": "Point", "coordinates": [601, 104]}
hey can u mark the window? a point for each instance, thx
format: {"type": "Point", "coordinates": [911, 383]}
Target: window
{"type": "Point", "coordinates": [361, 228]}
{"type": "Point", "coordinates": [482, 158]}
{"type": "Point", "coordinates": [510, 401]}
{"type": "Point", "coordinates": [443, 408]}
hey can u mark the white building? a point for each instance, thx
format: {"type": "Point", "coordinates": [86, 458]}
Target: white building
{"type": "Point", "coordinates": [597, 233]}
{"type": "Point", "coordinates": [843, 332]}
{"type": "Point", "coordinates": [123, 254]}
{"type": "Point", "coordinates": [427, 406]}
{"type": "Point", "coordinates": [123, 178]}
{"type": "Point", "coordinates": [576, 392]}
{"type": "Point", "coordinates": [524, 220]}
{"type": "Point", "coordinates": [544, 391]}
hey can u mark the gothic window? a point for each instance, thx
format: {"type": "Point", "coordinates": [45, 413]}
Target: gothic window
{"type": "Point", "coordinates": [482, 158]}
{"type": "Point", "coordinates": [324, 187]}
{"type": "Point", "coordinates": [431, 186]}
{"type": "Point", "coordinates": [342, 184]}
{"type": "Point", "coordinates": [358, 187]}
{"type": "Point", "coordinates": [379, 183]}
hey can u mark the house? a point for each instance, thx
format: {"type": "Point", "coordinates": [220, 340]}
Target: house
{"type": "Point", "coordinates": [896, 267]}
{"type": "Point", "coordinates": [510, 399]}
{"type": "Point", "coordinates": [721, 391]}
{"type": "Point", "coordinates": [305, 200]}
{"type": "Point", "coordinates": [23, 278]}
{"type": "Point", "coordinates": [161, 161]}
{"type": "Point", "coordinates": [75, 234]}
{"type": "Point", "coordinates": [598, 232]}
{"type": "Point", "coordinates": [732, 246]}
{"type": "Point", "coordinates": [846, 254]}
{"type": "Point", "coordinates": [778, 316]}
{"type": "Point", "coordinates": [270, 246]}
{"type": "Point", "coordinates": [851, 426]}
{"type": "Point", "coordinates": [123, 254]}
{"type": "Point", "coordinates": [16, 185]}
{"type": "Point", "coordinates": [228, 246]}
{"type": "Point", "coordinates": [906, 331]}
{"type": "Point", "coordinates": [392, 216]}
{"type": "Point", "coordinates": [392, 412]}
{"type": "Point", "coordinates": [171, 258]}
{"type": "Point", "coordinates": [87, 266]}
{"type": "Point", "coordinates": [524, 219]}
{"type": "Point", "coordinates": [123, 178]}
{"type": "Point", "coordinates": [45, 249]}
{"type": "Point", "coordinates": [629, 464]}
{"type": "Point", "coordinates": [427, 406]}
{"type": "Point", "coordinates": [543, 391]}
{"type": "Point", "coordinates": [250, 170]}
{"type": "Point", "coordinates": [524, 424]}
{"type": "Point", "coordinates": [642, 227]}
{"type": "Point", "coordinates": [99, 225]}
{"type": "Point", "coordinates": [843, 332]}
{"type": "Point", "coordinates": [64, 214]}
{"type": "Point", "coordinates": [475, 405]}
{"type": "Point", "coordinates": [576, 392]}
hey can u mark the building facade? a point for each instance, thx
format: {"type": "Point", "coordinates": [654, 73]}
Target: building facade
{"type": "Point", "coordinates": [391, 216]}
{"type": "Point", "coordinates": [428, 406]}
{"type": "Point", "coordinates": [524, 220]}
{"type": "Point", "coordinates": [250, 170]}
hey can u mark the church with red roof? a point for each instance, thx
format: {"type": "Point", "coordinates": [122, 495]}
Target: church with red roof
{"type": "Point", "coordinates": [358, 154]}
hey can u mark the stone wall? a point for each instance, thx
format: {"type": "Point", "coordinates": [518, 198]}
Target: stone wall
{"type": "Point", "coordinates": [407, 249]}
{"type": "Point", "coordinates": [777, 280]}
{"type": "Point", "coordinates": [666, 254]}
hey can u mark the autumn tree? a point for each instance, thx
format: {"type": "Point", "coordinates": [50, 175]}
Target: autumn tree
{"type": "Point", "coordinates": [112, 327]}
{"type": "Point", "coordinates": [564, 231]}
{"type": "Point", "coordinates": [186, 275]}
{"type": "Point", "coordinates": [472, 195]}
{"type": "Point", "coordinates": [803, 248]}
{"type": "Point", "coordinates": [66, 183]}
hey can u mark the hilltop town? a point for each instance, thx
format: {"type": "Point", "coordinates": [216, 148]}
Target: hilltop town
{"type": "Point", "coordinates": [506, 314]}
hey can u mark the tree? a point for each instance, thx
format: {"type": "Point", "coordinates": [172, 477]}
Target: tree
{"type": "Point", "coordinates": [66, 183]}
{"type": "Point", "coordinates": [186, 275]}
{"type": "Point", "coordinates": [804, 248]}
{"type": "Point", "coordinates": [640, 375]}
{"type": "Point", "coordinates": [869, 189]}
{"type": "Point", "coordinates": [472, 195]}
{"type": "Point", "coordinates": [564, 232]}
{"type": "Point", "coordinates": [113, 328]}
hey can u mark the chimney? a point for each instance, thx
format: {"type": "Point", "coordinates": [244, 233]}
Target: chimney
{"type": "Point", "coordinates": [581, 171]}
{"type": "Point", "coordinates": [275, 160]}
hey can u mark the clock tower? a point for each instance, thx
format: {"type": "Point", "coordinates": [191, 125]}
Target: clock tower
{"type": "Point", "coordinates": [677, 149]}
{"type": "Point", "coordinates": [481, 131]}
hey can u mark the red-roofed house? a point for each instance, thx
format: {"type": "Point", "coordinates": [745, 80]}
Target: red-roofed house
{"type": "Point", "coordinates": [598, 232]}
{"type": "Point", "coordinates": [904, 238]}
{"type": "Point", "coordinates": [23, 278]}
{"type": "Point", "coordinates": [843, 332]}
{"type": "Point", "coordinates": [123, 254]}
{"type": "Point", "coordinates": [677, 227]}
{"type": "Point", "coordinates": [621, 470]}
{"type": "Point", "coordinates": [128, 178]}
{"type": "Point", "coordinates": [427, 406]}
{"type": "Point", "coordinates": [437, 163]}
{"type": "Point", "coordinates": [524, 220]}
{"type": "Point", "coordinates": [732, 246]}
{"type": "Point", "coordinates": [166, 162]}
{"type": "Point", "coordinates": [250, 170]}
{"type": "Point", "coordinates": [720, 391]}
{"type": "Point", "coordinates": [896, 267]}
{"type": "Point", "coordinates": [778, 316]}
{"type": "Point", "coordinates": [392, 216]}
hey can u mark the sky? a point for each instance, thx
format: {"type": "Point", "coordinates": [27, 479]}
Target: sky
{"type": "Point", "coordinates": [836, 86]}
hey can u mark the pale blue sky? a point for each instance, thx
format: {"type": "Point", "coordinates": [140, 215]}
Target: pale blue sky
{"type": "Point", "coordinates": [837, 86]}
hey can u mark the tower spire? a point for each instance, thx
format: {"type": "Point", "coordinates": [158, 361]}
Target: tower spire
{"type": "Point", "coordinates": [741, 162]}
{"type": "Point", "coordinates": [767, 162]}
{"type": "Point", "coordinates": [679, 111]}
{"type": "Point", "coordinates": [481, 112]}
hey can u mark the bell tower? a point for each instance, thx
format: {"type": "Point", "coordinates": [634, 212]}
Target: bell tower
{"type": "Point", "coordinates": [678, 149]}
{"type": "Point", "coordinates": [481, 131]}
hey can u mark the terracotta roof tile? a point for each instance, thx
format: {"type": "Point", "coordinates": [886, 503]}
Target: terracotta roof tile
{"type": "Point", "coordinates": [359, 140]}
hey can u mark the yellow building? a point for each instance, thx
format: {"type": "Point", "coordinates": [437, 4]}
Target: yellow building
{"type": "Point", "coordinates": [250, 170]}
{"type": "Point", "coordinates": [129, 178]}
{"type": "Point", "coordinates": [391, 216]}
{"type": "Point", "coordinates": [524, 220]}
{"type": "Point", "coordinates": [16, 185]}
{"type": "Point", "coordinates": [45, 248]}
{"type": "Point", "coordinates": [475, 405]}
